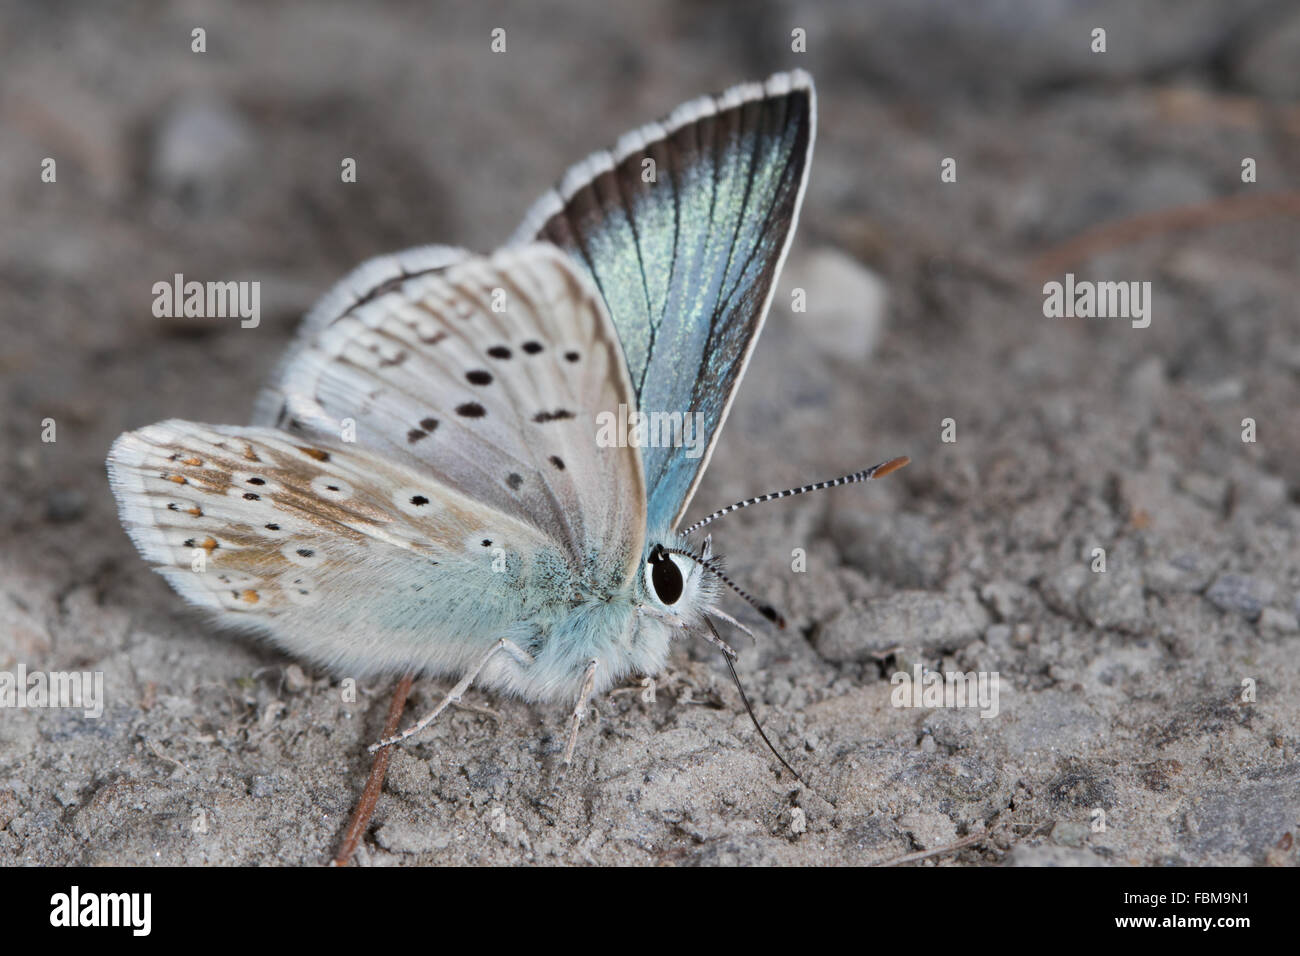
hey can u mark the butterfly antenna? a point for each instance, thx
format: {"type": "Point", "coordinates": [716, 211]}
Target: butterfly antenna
{"type": "Point", "coordinates": [876, 471]}
{"type": "Point", "coordinates": [769, 612]}
{"type": "Point", "coordinates": [748, 707]}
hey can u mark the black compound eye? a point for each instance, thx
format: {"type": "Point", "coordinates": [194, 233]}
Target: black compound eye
{"type": "Point", "coordinates": [665, 577]}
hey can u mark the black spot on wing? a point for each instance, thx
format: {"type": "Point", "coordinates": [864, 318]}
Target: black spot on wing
{"type": "Point", "coordinates": [427, 425]}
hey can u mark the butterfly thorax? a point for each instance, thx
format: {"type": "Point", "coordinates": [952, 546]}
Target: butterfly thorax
{"type": "Point", "coordinates": [625, 626]}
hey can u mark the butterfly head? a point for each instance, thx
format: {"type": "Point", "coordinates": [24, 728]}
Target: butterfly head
{"type": "Point", "coordinates": [675, 583]}
{"type": "Point", "coordinates": [681, 585]}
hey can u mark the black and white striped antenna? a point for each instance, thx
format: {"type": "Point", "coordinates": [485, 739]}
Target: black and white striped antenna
{"type": "Point", "coordinates": [711, 565]}
{"type": "Point", "coordinates": [875, 471]}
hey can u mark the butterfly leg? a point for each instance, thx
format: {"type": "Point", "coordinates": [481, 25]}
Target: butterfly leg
{"type": "Point", "coordinates": [580, 711]}
{"type": "Point", "coordinates": [453, 695]}
{"type": "Point", "coordinates": [713, 638]}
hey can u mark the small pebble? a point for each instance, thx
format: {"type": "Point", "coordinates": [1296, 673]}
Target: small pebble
{"type": "Point", "coordinates": [798, 821]}
{"type": "Point", "coordinates": [1240, 594]}
{"type": "Point", "coordinates": [295, 679]}
{"type": "Point", "coordinates": [203, 154]}
{"type": "Point", "coordinates": [844, 303]}
{"type": "Point", "coordinates": [1273, 620]}
{"type": "Point", "coordinates": [1070, 834]}
{"type": "Point", "coordinates": [398, 837]}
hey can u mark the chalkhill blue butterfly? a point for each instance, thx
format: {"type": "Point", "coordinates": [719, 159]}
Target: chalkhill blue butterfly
{"type": "Point", "coordinates": [428, 485]}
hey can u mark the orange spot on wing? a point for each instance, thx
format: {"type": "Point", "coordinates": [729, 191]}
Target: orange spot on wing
{"type": "Point", "coordinates": [208, 544]}
{"type": "Point", "coordinates": [250, 596]}
{"type": "Point", "coordinates": [192, 461]}
{"type": "Point", "coordinates": [178, 479]}
{"type": "Point", "coordinates": [314, 453]}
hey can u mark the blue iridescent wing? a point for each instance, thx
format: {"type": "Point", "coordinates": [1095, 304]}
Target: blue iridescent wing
{"type": "Point", "coordinates": [683, 227]}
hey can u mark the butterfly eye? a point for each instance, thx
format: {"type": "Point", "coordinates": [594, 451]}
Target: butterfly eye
{"type": "Point", "coordinates": [665, 577]}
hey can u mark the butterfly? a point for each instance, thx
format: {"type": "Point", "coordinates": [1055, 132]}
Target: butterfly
{"type": "Point", "coordinates": [422, 488]}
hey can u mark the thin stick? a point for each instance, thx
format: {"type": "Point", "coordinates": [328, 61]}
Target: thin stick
{"type": "Point", "coordinates": [937, 851]}
{"type": "Point", "coordinates": [375, 783]}
{"type": "Point", "coordinates": [1122, 232]}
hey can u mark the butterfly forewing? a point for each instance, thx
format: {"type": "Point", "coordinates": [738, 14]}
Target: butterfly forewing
{"type": "Point", "coordinates": [489, 376]}
{"type": "Point", "coordinates": [683, 227]}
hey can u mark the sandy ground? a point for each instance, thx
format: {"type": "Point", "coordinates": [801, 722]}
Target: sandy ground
{"type": "Point", "coordinates": [1122, 735]}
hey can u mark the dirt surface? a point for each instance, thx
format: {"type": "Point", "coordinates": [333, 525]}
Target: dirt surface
{"type": "Point", "coordinates": [1126, 731]}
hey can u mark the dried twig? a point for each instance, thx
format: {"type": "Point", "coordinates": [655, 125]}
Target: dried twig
{"type": "Point", "coordinates": [937, 851]}
{"type": "Point", "coordinates": [1125, 231]}
{"type": "Point", "coordinates": [375, 783]}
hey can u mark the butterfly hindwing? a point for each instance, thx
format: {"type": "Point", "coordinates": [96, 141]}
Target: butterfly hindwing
{"type": "Point", "coordinates": [373, 277]}
{"type": "Point", "coordinates": [354, 562]}
{"type": "Point", "coordinates": [683, 227]}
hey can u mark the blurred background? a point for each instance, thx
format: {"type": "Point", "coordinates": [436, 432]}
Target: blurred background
{"type": "Point", "coordinates": [924, 303]}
